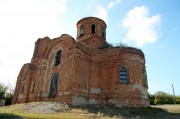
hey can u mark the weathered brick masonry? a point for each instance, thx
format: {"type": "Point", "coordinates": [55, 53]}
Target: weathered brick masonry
{"type": "Point", "coordinates": [84, 71]}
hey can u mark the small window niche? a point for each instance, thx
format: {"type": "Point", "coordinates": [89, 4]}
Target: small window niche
{"type": "Point", "coordinates": [123, 75]}
{"type": "Point", "coordinates": [81, 30]}
{"type": "Point", "coordinates": [58, 58]}
{"type": "Point", "coordinates": [22, 88]}
{"type": "Point", "coordinates": [32, 87]}
{"type": "Point", "coordinates": [93, 28]}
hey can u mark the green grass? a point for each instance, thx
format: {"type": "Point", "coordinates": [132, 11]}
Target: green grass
{"type": "Point", "coordinates": [91, 112]}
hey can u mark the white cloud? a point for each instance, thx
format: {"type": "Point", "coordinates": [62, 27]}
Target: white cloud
{"type": "Point", "coordinates": [101, 12]}
{"type": "Point", "coordinates": [32, 15]}
{"type": "Point", "coordinates": [21, 24]}
{"type": "Point", "coordinates": [142, 28]}
{"type": "Point", "coordinates": [112, 3]}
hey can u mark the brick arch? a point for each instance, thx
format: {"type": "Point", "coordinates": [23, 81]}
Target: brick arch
{"type": "Point", "coordinates": [65, 40]}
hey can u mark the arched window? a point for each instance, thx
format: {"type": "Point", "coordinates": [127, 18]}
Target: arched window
{"type": "Point", "coordinates": [81, 30]}
{"type": "Point", "coordinates": [93, 28]}
{"type": "Point", "coordinates": [58, 58]}
{"type": "Point", "coordinates": [123, 75]}
{"type": "Point", "coordinates": [103, 33]}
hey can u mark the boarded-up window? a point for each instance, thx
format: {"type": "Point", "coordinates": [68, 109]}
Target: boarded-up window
{"type": "Point", "coordinates": [54, 84]}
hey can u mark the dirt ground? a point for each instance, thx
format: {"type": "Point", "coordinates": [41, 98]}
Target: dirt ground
{"type": "Point", "coordinates": [56, 110]}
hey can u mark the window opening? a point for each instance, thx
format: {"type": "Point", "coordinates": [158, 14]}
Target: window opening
{"type": "Point", "coordinates": [32, 87]}
{"type": "Point", "coordinates": [82, 30]}
{"type": "Point", "coordinates": [103, 33]}
{"type": "Point", "coordinates": [93, 28]}
{"type": "Point", "coordinates": [123, 75]}
{"type": "Point", "coordinates": [145, 78]}
{"type": "Point", "coordinates": [58, 58]}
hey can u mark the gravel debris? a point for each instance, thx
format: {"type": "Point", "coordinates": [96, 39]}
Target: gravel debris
{"type": "Point", "coordinates": [45, 107]}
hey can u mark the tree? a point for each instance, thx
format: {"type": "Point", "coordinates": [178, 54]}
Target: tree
{"type": "Point", "coordinates": [163, 98]}
{"type": "Point", "coordinates": [159, 97]}
{"type": "Point", "coordinates": [3, 90]}
{"type": "Point", "coordinates": [9, 94]}
{"type": "Point", "coordinates": [6, 93]}
{"type": "Point", "coordinates": [151, 98]}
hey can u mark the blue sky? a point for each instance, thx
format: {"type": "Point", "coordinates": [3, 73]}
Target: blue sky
{"type": "Point", "coordinates": [151, 25]}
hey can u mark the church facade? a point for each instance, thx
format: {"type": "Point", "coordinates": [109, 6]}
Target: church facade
{"type": "Point", "coordinates": [83, 71]}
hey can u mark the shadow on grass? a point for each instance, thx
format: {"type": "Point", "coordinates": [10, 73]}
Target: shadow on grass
{"type": "Point", "coordinates": [132, 112]}
{"type": "Point", "coordinates": [9, 116]}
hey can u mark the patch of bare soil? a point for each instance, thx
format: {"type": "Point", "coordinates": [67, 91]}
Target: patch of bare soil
{"type": "Point", "coordinates": [45, 107]}
{"type": "Point", "coordinates": [169, 108]}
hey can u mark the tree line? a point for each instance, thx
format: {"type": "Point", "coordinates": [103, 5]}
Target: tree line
{"type": "Point", "coordinates": [161, 97]}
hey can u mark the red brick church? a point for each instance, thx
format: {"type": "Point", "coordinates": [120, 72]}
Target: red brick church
{"type": "Point", "coordinates": [84, 71]}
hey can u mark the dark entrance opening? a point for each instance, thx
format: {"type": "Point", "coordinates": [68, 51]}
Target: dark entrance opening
{"type": "Point", "coordinates": [53, 86]}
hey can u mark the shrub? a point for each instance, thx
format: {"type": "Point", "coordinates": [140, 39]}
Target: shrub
{"type": "Point", "coordinates": [163, 98]}
{"type": "Point", "coordinates": [177, 101]}
{"type": "Point", "coordinates": [151, 99]}
{"type": "Point", "coordinates": [8, 98]}
{"type": "Point", "coordinates": [6, 93]}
